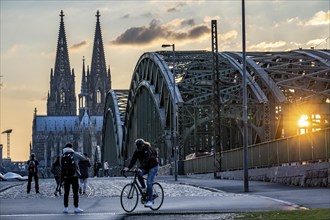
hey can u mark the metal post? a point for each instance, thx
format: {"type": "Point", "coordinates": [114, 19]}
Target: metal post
{"type": "Point", "coordinates": [174, 115]}
{"type": "Point", "coordinates": [216, 102]}
{"type": "Point", "coordinates": [174, 121]}
{"type": "Point", "coordinates": [245, 138]}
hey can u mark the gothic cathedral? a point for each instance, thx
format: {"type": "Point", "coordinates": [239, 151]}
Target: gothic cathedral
{"type": "Point", "coordinates": [51, 132]}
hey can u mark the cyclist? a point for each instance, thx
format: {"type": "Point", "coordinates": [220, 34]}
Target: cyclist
{"type": "Point", "coordinates": [148, 165]}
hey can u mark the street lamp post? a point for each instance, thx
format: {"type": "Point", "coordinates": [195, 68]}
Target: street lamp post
{"type": "Point", "coordinates": [174, 115]}
{"type": "Point", "coordinates": [245, 138]}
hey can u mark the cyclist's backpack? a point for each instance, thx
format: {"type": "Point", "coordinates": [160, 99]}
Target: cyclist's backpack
{"type": "Point", "coordinates": [68, 165]}
{"type": "Point", "coordinates": [153, 160]}
{"type": "Point", "coordinates": [32, 167]}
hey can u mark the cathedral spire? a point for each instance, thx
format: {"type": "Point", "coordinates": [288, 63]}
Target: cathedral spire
{"type": "Point", "coordinates": [98, 59]}
{"type": "Point", "coordinates": [62, 62]}
{"type": "Point", "coordinates": [62, 99]}
{"type": "Point", "coordinates": [83, 88]}
{"type": "Point", "coordinates": [98, 82]}
{"type": "Point", "coordinates": [83, 92]}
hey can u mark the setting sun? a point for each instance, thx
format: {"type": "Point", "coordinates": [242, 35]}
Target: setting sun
{"type": "Point", "coordinates": [303, 121]}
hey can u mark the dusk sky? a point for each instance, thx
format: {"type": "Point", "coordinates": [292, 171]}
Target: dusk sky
{"type": "Point", "coordinates": [29, 31]}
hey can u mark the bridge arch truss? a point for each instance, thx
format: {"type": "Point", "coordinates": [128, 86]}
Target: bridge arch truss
{"type": "Point", "coordinates": [282, 86]}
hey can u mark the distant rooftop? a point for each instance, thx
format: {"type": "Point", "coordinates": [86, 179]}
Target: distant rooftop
{"type": "Point", "coordinates": [60, 123]}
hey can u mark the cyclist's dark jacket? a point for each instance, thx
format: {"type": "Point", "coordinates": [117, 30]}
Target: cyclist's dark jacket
{"type": "Point", "coordinates": [147, 158]}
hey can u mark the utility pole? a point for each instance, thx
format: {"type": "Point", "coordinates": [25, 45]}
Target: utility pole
{"type": "Point", "coordinates": [216, 100]}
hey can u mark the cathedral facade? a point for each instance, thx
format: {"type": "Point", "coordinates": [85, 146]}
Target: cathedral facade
{"type": "Point", "coordinates": [65, 123]}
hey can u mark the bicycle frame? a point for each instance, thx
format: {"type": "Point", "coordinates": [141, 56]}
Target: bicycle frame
{"type": "Point", "coordinates": [135, 181]}
{"type": "Point", "coordinates": [130, 194]}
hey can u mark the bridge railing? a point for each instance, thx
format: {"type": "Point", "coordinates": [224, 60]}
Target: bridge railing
{"type": "Point", "coordinates": [310, 147]}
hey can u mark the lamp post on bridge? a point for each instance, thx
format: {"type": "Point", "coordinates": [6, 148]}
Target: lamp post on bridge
{"type": "Point", "coordinates": [174, 115]}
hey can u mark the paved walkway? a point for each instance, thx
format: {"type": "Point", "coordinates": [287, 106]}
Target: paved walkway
{"type": "Point", "coordinates": [103, 187]}
{"type": "Point", "coordinates": [308, 197]}
{"type": "Point", "coordinates": [202, 198]}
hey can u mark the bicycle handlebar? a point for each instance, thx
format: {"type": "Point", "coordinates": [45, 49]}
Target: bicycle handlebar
{"type": "Point", "coordinates": [135, 171]}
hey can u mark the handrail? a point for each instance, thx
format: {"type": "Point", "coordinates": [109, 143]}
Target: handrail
{"type": "Point", "coordinates": [310, 147]}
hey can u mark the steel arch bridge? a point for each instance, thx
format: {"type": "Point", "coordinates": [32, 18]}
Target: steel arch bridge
{"type": "Point", "coordinates": [282, 87]}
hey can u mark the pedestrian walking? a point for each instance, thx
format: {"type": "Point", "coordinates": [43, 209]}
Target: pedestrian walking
{"type": "Point", "coordinates": [148, 159]}
{"type": "Point", "coordinates": [106, 168]}
{"type": "Point", "coordinates": [97, 166]}
{"type": "Point", "coordinates": [56, 171]}
{"type": "Point", "coordinates": [83, 166]}
{"type": "Point", "coordinates": [69, 174]}
{"type": "Point", "coordinates": [33, 164]}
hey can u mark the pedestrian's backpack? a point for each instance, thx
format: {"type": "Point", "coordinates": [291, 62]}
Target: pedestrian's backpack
{"type": "Point", "coordinates": [32, 167]}
{"type": "Point", "coordinates": [68, 165]}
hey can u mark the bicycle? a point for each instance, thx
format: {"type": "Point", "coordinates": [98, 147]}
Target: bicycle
{"type": "Point", "coordinates": [129, 196]}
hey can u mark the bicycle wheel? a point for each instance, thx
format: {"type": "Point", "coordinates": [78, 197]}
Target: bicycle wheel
{"type": "Point", "coordinates": [129, 197]}
{"type": "Point", "coordinates": [158, 196]}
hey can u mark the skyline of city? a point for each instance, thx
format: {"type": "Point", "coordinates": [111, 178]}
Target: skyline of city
{"type": "Point", "coordinates": [31, 41]}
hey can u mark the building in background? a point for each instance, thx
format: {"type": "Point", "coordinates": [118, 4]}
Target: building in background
{"type": "Point", "coordinates": [62, 124]}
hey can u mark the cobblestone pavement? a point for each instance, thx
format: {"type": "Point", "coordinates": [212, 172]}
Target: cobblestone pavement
{"type": "Point", "coordinates": [103, 187]}
{"type": "Point", "coordinates": [103, 193]}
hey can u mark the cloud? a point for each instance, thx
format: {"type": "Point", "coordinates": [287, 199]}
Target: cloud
{"type": "Point", "coordinates": [188, 22]}
{"type": "Point", "coordinates": [268, 45]}
{"type": "Point", "coordinates": [140, 35]}
{"type": "Point", "coordinates": [316, 42]}
{"type": "Point", "coordinates": [78, 45]}
{"type": "Point", "coordinates": [228, 35]}
{"type": "Point", "coordinates": [125, 16]}
{"type": "Point", "coordinates": [147, 34]}
{"type": "Point", "coordinates": [171, 10]}
{"type": "Point", "coordinates": [208, 19]}
{"type": "Point", "coordinates": [320, 18]}
{"type": "Point", "coordinates": [177, 7]}
{"type": "Point", "coordinates": [198, 31]}
{"type": "Point", "coordinates": [147, 15]}
{"type": "Point", "coordinates": [293, 20]}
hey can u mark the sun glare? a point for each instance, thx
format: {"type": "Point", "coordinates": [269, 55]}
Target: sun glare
{"type": "Point", "coordinates": [303, 121]}
{"type": "Point", "coordinates": [309, 123]}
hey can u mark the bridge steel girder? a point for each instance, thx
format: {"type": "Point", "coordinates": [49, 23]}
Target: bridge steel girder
{"type": "Point", "coordinates": [112, 136]}
{"type": "Point", "coordinates": [149, 113]}
{"type": "Point", "coordinates": [151, 88]}
{"type": "Point", "coordinates": [303, 78]}
{"type": "Point", "coordinates": [280, 84]}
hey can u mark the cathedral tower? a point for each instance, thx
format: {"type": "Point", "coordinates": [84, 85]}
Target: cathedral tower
{"type": "Point", "coordinates": [61, 99]}
{"type": "Point", "coordinates": [83, 95]}
{"type": "Point", "coordinates": [98, 80]}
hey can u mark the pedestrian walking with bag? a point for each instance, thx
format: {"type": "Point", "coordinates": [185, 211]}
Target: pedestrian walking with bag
{"type": "Point", "coordinates": [56, 171]}
{"type": "Point", "coordinates": [33, 164]}
{"type": "Point", "coordinates": [69, 175]}
{"type": "Point", "coordinates": [84, 166]}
